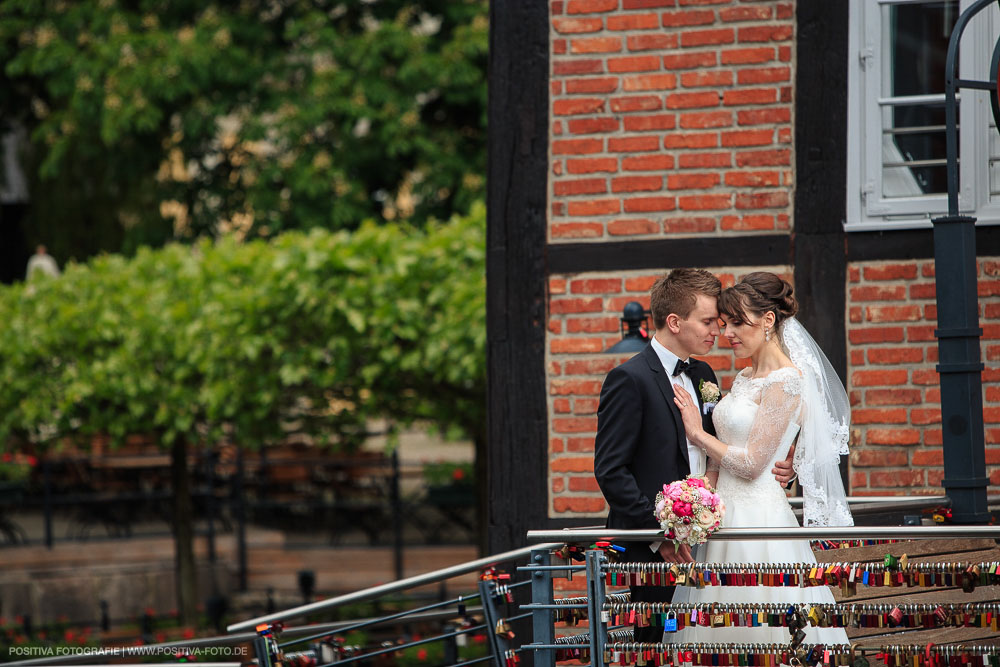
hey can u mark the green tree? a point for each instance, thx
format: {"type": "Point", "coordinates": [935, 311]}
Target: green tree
{"type": "Point", "coordinates": [191, 345]}
{"type": "Point", "coordinates": [152, 121]}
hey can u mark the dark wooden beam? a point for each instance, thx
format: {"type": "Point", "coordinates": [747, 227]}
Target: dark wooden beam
{"type": "Point", "coordinates": [515, 464]}
{"type": "Point", "coordinates": [669, 253]}
{"type": "Point", "coordinates": [911, 244]}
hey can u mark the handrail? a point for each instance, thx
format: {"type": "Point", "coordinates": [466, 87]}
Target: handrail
{"type": "Point", "coordinates": [887, 500]}
{"type": "Point", "coordinates": [789, 533]}
{"type": "Point", "coordinates": [393, 587]}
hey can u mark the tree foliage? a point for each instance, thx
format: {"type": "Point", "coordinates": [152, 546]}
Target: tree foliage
{"type": "Point", "coordinates": [328, 329]}
{"type": "Point", "coordinates": [152, 121]}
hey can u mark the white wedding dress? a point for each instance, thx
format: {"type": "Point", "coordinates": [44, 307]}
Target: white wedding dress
{"type": "Point", "coordinates": [759, 419]}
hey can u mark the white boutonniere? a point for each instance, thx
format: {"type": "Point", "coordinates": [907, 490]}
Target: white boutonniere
{"type": "Point", "coordinates": [710, 395]}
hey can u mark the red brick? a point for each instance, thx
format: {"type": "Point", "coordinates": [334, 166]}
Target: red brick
{"type": "Point", "coordinates": [755, 56]}
{"type": "Point", "coordinates": [785, 54]}
{"type": "Point", "coordinates": [897, 478]}
{"type": "Point", "coordinates": [991, 268]}
{"type": "Point", "coordinates": [706, 119]}
{"type": "Point", "coordinates": [855, 314]}
{"type": "Point", "coordinates": [616, 304]}
{"type": "Point", "coordinates": [853, 274]}
{"type": "Point", "coordinates": [890, 272]}
{"type": "Point", "coordinates": [592, 165]}
{"type": "Point", "coordinates": [693, 100]}
{"type": "Point", "coordinates": [762, 200]}
{"type": "Point", "coordinates": [652, 42]}
{"type": "Point", "coordinates": [876, 335]}
{"type": "Point", "coordinates": [583, 484]}
{"type": "Point", "coordinates": [785, 94]}
{"type": "Point", "coordinates": [749, 96]}
{"type": "Point", "coordinates": [691, 17]}
{"type": "Point", "coordinates": [576, 504]}
{"type": "Point", "coordinates": [930, 313]}
{"type": "Point", "coordinates": [923, 417]}
{"type": "Point", "coordinates": [577, 146]}
{"type": "Point", "coordinates": [689, 181]}
{"type": "Point", "coordinates": [780, 156]}
{"type": "Point", "coordinates": [689, 225]}
{"type": "Point", "coordinates": [989, 287]}
{"type": "Point", "coordinates": [705, 37]}
{"type": "Point", "coordinates": [928, 457]}
{"type": "Point", "coordinates": [557, 7]}
{"type": "Point", "coordinates": [656, 162]}
{"type": "Point", "coordinates": [992, 454]}
{"type": "Point", "coordinates": [892, 436]}
{"type": "Point", "coordinates": [991, 331]}
{"type": "Point", "coordinates": [562, 406]}
{"type": "Point", "coordinates": [768, 33]}
{"type": "Point", "coordinates": [558, 483]}
{"type": "Point", "coordinates": [636, 183]}
{"type": "Point", "coordinates": [878, 416]}
{"type": "Point", "coordinates": [991, 415]}
{"type": "Point", "coordinates": [555, 326]}
{"type": "Point", "coordinates": [897, 355]}
{"type": "Point", "coordinates": [857, 357]}
{"type": "Point", "coordinates": [567, 107]}
{"type": "Point", "coordinates": [932, 395]}
{"type": "Point", "coordinates": [596, 45]}
{"type": "Point", "coordinates": [588, 366]}
{"type": "Point", "coordinates": [557, 285]}
{"type": "Point", "coordinates": [993, 394]}
{"type": "Point", "coordinates": [590, 6]}
{"type": "Point", "coordinates": [691, 140]}
{"type": "Point", "coordinates": [647, 4]}
{"type": "Point", "coordinates": [859, 480]}
{"type": "Point", "coordinates": [923, 291]}
{"type": "Point", "coordinates": [748, 138]}
{"type": "Point", "coordinates": [878, 378]}
{"type": "Point", "coordinates": [577, 66]}
{"type": "Point", "coordinates": [747, 223]}
{"type": "Point", "coordinates": [604, 84]}
{"type": "Point", "coordinates": [785, 11]}
{"type": "Point", "coordinates": [878, 293]}
{"type": "Point", "coordinates": [632, 144]}
{"type": "Point", "coordinates": [705, 160]}
{"type": "Point", "coordinates": [649, 204]}
{"type": "Point", "coordinates": [594, 207]}
{"type": "Point", "coordinates": [633, 22]}
{"type": "Point", "coordinates": [759, 13]}
{"type": "Point", "coordinates": [558, 208]}
{"type": "Point", "coordinates": [636, 103]}
{"type": "Point", "coordinates": [878, 458]}
{"type": "Point", "coordinates": [636, 64]}
{"type": "Point", "coordinates": [925, 377]}
{"type": "Point", "coordinates": [582, 186]}
{"type": "Point", "coordinates": [577, 230]}
{"type": "Point", "coordinates": [710, 78]}
{"type": "Point", "coordinates": [573, 425]}
{"type": "Point", "coordinates": [633, 226]}
{"type": "Point", "coordinates": [992, 311]}
{"type": "Point", "coordinates": [596, 286]}
{"type": "Point", "coordinates": [662, 121]}
{"type": "Point", "coordinates": [575, 26]}
{"type": "Point", "coordinates": [764, 75]}
{"type": "Point", "coordinates": [562, 306]}
{"type": "Point", "coordinates": [559, 46]}
{"type": "Point", "coordinates": [754, 179]}
{"type": "Point", "coordinates": [641, 283]}
{"type": "Point", "coordinates": [927, 270]}
{"type": "Point", "coordinates": [593, 125]}
{"type": "Point", "coordinates": [689, 60]}
{"type": "Point", "coordinates": [718, 362]}
{"type": "Point", "coordinates": [993, 353]}
{"type": "Point", "coordinates": [705, 202]}
{"type": "Point", "coordinates": [919, 334]}
{"type": "Point", "coordinates": [892, 313]}
{"type": "Point", "coordinates": [770, 116]}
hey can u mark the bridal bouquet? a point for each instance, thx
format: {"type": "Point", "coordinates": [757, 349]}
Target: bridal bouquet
{"type": "Point", "coordinates": [689, 510]}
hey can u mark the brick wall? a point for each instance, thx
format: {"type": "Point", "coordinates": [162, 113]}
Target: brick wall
{"type": "Point", "coordinates": [584, 312]}
{"type": "Point", "coordinates": [894, 389]}
{"type": "Point", "coordinates": [670, 117]}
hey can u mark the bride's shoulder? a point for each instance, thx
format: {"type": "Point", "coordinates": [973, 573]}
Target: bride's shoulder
{"type": "Point", "coordinates": [789, 377]}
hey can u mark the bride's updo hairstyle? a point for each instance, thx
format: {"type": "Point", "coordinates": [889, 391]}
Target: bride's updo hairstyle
{"type": "Point", "coordinates": [757, 293]}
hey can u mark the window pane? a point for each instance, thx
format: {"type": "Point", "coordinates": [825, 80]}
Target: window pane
{"type": "Point", "coordinates": [913, 137]}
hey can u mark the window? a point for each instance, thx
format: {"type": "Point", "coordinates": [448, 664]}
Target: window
{"type": "Point", "coordinates": [896, 129]}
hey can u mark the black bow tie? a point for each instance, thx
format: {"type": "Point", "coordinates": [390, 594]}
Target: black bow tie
{"type": "Point", "coordinates": [682, 367]}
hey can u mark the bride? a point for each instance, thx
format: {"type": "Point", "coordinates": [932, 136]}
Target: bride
{"type": "Point", "coordinates": [789, 394]}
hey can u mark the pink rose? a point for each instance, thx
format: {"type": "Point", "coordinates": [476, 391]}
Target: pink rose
{"type": "Point", "coordinates": [675, 492]}
{"type": "Point", "coordinates": [707, 497]}
{"type": "Point", "coordinates": [682, 509]}
{"type": "Point", "coordinates": [696, 481]}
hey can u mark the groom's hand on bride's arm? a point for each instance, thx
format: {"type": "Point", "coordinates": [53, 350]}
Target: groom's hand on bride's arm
{"type": "Point", "coordinates": [783, 471]}
{"type": "Point", "coordinates": [671, 555]}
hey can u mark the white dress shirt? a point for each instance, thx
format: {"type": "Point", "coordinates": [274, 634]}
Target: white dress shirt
{"type": "Point", "coordinates": [696, 457]}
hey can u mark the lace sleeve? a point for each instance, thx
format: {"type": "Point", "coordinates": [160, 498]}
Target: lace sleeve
{"type": "Point", "coordinates": [779, 408]}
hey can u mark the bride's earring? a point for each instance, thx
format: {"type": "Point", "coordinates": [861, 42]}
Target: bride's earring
{"type": "Point", "coordinates": [767, 335]}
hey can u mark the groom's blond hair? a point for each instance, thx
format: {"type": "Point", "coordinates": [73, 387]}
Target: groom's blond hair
{"type": "Point", "coordinates": [677, 292]}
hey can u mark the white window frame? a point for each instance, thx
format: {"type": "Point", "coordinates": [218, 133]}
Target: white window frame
{"type": "Point", "coordinates": [867, 208]}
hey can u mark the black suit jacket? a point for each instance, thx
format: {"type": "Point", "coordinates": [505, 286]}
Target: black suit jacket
{"type": "Point", "coordinates": [640, 443]}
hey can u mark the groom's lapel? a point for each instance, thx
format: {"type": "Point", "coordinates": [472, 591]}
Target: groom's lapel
{"type": "Point", "coordinates": [666, 388]}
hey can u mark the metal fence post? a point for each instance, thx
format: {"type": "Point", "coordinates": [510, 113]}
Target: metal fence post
{"type": "Point", "coordinates": [542, 620]}
{"type": "Point", "coordinates": [487, 590]}
{"type": "Point", "coordinates": [595, 606]}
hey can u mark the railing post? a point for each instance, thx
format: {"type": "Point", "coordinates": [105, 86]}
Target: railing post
{"type": "Point", "coordinates": [595, 606]}
{"type": "Point", "coordinates": [397, 522]}
{"type": "Point", "coordinates": [542, 621]}
{"type": "Point", "coordinates": [487, 595]}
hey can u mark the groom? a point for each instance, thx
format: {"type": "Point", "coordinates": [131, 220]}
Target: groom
{"type": "Point", "coordinates": [640, 442]}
